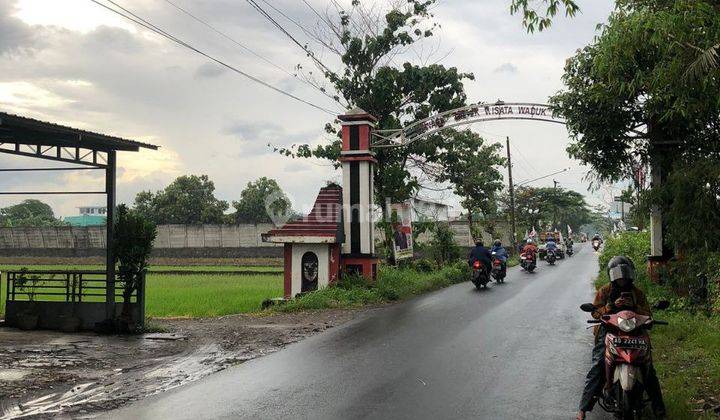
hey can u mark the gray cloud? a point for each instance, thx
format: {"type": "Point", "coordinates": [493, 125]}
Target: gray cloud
{"type": "Point", "coordinates": [506, 68]}
{"type": "Point", "coordinates": [209, 70]}
{"type": "Point", "coordinates": [15, 35]}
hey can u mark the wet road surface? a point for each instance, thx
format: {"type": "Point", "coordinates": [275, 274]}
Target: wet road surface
{"type": "Point", "coordinates": [518, 350]}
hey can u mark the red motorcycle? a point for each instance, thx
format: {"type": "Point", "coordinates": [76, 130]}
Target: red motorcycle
{"type": "Point", "coordinates": [627, 355]}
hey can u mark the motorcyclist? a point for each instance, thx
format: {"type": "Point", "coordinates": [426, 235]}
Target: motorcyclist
{"type": "Point", "coordinates": [609, 300]}
{"type": "Point", "coordinates": [480, 253]}
{"type": "Point", "coordinates": [550, 245]}
{"type": "Point", "coordinates": [529, 247]}
{"type": "Point", "coordinates": [500, 253]}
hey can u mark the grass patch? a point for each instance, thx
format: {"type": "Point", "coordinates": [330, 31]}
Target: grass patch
{"type": "Point", "coordinates": [151, 269]}
{"type": "Point", "coordinates": [198, 295]}
{"type": "Point", "coordinates": [392, 284]}
{"type": "Point", "coordinates": [208, 295]}
{"type": "Point", "coordinates": [686, 352]}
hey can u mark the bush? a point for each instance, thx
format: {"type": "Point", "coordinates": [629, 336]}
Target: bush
{"type": "Point", "coordinates": [423, 265]}
{"type": "Point", "coordinates": [442, 246]}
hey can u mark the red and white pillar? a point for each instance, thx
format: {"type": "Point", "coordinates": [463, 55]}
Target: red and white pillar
{"type": "Point", "coordinates": [358, 163]}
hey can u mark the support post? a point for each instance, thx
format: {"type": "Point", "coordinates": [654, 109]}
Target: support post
{"type": "Point", "coordinates": [110, 186]}
{"type": "Point", "coordinates": [512, 195]}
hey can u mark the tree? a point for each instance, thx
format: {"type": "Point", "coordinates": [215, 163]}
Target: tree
{"type": "Point", "coordinates": [367, 45]}
{"type": "Point", "coordinates": [133, 243]}
{"type": "Point", "coordinates": [189, 199]}
{"type": "Point", "coordinates": [471, 167]}
{"type": "Point", "coordinates": [259, 200]}
{"type": "Point", "coordinates": [539, 207]}
{"type": "Point", "coordinates": [627, 96]}
{"type": "Point", "coordinates": [629, 99]}
{"type": "Point", "coordinates": [533, 20]}
{"type": "Point", "coordinates": [31, 213]}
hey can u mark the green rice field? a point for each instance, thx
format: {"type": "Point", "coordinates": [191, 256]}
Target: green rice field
{"type": "Point", "coordinates": [192, 295]}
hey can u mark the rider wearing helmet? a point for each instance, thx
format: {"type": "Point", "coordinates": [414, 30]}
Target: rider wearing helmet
{"type": "Point", "coordinates": [500, 253]}
{"type": "Point", "coordinates": [480, 253]}
{"type": "Point", "coordinates": [529, 247]}
{"type": "Point", "coordinates": [619, 294]}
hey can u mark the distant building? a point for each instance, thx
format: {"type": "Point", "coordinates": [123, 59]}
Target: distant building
{"type": "Point", "coordinates": [426, 209]}
{"type": "Point", "coordinates": [93, 210]}
{"type": "Point", "coordinates": [89, 216]}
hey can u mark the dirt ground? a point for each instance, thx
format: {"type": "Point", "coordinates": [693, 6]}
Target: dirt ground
{"type": "Point", "coordinates": [48, 374]}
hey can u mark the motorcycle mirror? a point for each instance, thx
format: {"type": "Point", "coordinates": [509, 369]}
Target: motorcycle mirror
{"type": "Point", "coordinates": [587, 307]}
{"type": "Point", "coordinates": [660, 305]}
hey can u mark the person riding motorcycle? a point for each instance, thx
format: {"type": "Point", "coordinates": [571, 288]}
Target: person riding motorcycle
{"type": "Point", "coordinates": [480, 253]}
{"type": "Point", "coordinates": [550, 245]}
{"type": "Point", "coordinates": [529, 247]}
{"type": "Point", "coordinates": [500, 253]}
{"type": "Point", "coordinates": [620, 294]}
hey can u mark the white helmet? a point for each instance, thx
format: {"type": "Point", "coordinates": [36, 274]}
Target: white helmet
{"type": "Point", "coordinates": [529, 241]}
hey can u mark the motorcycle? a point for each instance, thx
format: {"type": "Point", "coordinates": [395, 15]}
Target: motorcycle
{"type": "Point", "coordinates": [550, 257]}
{"type": "Point", "coordinates": [596, 244]}
{"type": "Point", "coordinates": [627, 356]}
{"type": "Point", "coordinates": [480, 276]}
{"type": "Point", "coordinates": [498, 271]}
{"type": "Point", "coordinates": [528, 261]}
{"type": "Point", "coordinates": [570, 251]}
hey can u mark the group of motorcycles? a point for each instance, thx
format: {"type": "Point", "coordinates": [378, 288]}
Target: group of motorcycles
{"type": "Point", "coordinates": [498, 271]}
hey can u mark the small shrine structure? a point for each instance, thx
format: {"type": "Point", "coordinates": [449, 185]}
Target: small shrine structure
{"type": "Point", "coordinates": [338, 235]}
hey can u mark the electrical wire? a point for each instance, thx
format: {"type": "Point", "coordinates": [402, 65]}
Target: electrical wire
{"type": "Point", "coordinates": [246, 48]}
{"type": "Point", "coordinates": [275, 23]}
{"type": "Point", "coordinates": [146, 24]}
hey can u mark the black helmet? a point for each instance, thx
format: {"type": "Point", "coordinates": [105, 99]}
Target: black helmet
{"type": "Point", "coordinates": [497, 242]}
{"type": "Point", "coordinates": [478, 242]}
{"type": "Point", "coordinates": [621, 267]}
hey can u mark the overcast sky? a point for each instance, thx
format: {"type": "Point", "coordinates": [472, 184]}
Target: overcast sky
{"type": "Point", "coordinates": [75, 63]}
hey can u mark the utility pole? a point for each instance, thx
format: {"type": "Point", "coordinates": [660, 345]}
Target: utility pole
{"type": "Point", "coordinates": [512, 193]}
{"type": "Point", "coordinates": [555, 184]}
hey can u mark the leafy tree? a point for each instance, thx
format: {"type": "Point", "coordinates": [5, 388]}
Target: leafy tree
{"type": "Point", "coordinates": [442, 246]}
{"type": "Point", "coordinates": [532, 20]}
{"type": "Point", "coordinates": [635, 95]}
{"type": "Point", "coordinates": [471, 167]}
{"type": "Point", "coordinates": [134, 236]}
{"type": "Point", "coordinates": [367, 45]}
{"type": "Point", "coordinates": [627, 96]}
{"type": "Point", "coordinates": [555, 207]}
{"type": "Point", "coordinates": [258, 200]}
{"type": "Point", "coordinates": [31, 213]}
{"type": "Point", "coordinates": [189, 199]}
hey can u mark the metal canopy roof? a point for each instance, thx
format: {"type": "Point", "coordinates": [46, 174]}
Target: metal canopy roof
{"type": "Point", "coordinates": [17, 129]}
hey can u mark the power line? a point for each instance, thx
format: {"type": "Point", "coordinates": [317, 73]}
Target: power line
{"type": "Point", "coordinates": [275, 23]}
{"type": "Point", "coordinates": [248, 49]}
{"type": "Point", "coordinates": [146, 24]}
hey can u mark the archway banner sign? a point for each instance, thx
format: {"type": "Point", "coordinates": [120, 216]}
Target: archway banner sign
{"type": "Point", "coordinates": [466, 115]}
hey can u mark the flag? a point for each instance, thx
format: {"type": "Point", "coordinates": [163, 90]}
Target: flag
{"type": "Point", "coordinates": [569, 230]}
{"type": "Point", "coordinates": [533, 233]}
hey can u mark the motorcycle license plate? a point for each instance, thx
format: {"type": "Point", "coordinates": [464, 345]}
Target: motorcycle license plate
{"type": "Point", "coordinates": [630, 343]}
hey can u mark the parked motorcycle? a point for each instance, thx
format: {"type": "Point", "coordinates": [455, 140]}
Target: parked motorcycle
{"type": "Point", "coordinates": [596, 244]}
{"type": "Point", "coordinates": [528, 261]}
{"type": "Point", "coordinates": [498, 271]}
{"type": "Point", "coordinates": [480, 276]}
{"type": "Point", "coordinates": [627, 356]}
{"type": "Point", "coordinates": [550, 257]}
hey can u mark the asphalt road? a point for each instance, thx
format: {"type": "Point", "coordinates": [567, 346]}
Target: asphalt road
{"type": "Point", "coordinates": [518, 350]}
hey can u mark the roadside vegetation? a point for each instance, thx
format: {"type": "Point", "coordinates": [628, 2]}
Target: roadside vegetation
{"type": "Point", "coordinates": [687, 352]}
{"type": "Point", "coordinates": [392, 284]}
